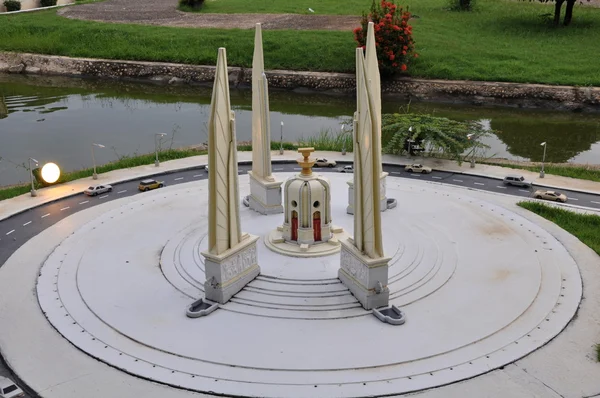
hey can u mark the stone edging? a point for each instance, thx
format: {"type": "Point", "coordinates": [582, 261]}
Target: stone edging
{"type": "Point", "coordinates": [473, 92]}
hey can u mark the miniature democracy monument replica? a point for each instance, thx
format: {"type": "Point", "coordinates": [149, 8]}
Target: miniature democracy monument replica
{"type": "Point", "coordinates": [302, 324]}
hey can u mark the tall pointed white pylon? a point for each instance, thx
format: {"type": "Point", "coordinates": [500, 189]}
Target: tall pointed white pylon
{"type": "Point", "coordinates": [363, 267]}
{"type": "Point", "coordinates": [265, 191]}
{"type": "Point", "coordinates": [224, 219]}
{"type": "Point", "coordinates": [372, 67]}
{"type": "Point", "coordinates": [231, 260]}
{"type": "Point", "coordinates": [261, 125]}
{"type": "Point", "coordinates": [367, 161]}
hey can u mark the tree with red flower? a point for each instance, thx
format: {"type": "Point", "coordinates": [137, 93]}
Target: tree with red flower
{"type": "Point", "coordinates": [393, 35]}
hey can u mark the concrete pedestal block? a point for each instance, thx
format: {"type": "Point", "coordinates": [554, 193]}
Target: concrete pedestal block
{"type": "Point", "coordinates": [366, 278]}
{"type": "Point", "coordinates": [383, 206]}
{"type": "Point", "coordinates": [265, 196]}
{"type": "Point", "coordinates": [228, 273]}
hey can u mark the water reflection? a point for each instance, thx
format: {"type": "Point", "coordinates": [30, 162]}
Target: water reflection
{"type": "Point", "coordinates": [56, 119]}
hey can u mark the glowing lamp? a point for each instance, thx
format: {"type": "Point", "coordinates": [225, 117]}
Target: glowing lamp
{"type": "Point", "coordinates": [50, 173]}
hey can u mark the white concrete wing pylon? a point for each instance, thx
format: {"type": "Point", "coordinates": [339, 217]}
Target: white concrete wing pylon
{"type": "Point", "coordinates": [374, 82]}
{"type": "Point", "coordinates": [224, 230]}
{"type": "Point", "coordinates": [363, 267]}
{"type": "Point", "coordinates": [367, 159]}
{"type": "Point", "coordinates": [231, 260]}
{"type": "Point", "coordinates": [265, 192]}
{"type": "Point", "coordinates": [261, 131]}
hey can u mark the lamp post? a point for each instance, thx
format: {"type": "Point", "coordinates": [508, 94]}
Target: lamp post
{"type": "Point", "coordinates": [156, 136]}
{"type": "Point", "coordinates": [95, 176]}
{"type": "Point", "coordinates": [469, 136]}
{"type": "Point", "coordinates": [281, 141]}
{"type": "Point", "coordinates": [33, 191]}
{"type": "Point", "coordinates": [343, 132]}
{"type": "Point", "coordinates": [542, 173]}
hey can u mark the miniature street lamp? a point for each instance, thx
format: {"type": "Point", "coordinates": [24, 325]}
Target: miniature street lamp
{"type": "Point", "coordinates": [542, 173]}
{"type": "Point", "coordinates": [156, 136]}
{"type": "Point", "coordinates": [343, 139]}
{"type": "Point", "coordinates": [95, 176]}
{"type": "Point", "coordinates": [33, 191]}
{"type": "Point", "coordinates": [469, 136]}
{"type": "Point", "coordinates": [281, 141]}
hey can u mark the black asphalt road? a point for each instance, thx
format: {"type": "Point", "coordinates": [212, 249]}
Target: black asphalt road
{"type": "Point", "coordinates": [18, 229]}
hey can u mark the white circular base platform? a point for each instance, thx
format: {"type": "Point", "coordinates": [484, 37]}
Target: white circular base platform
{"type": "Point", "coordinates": [480, 286]}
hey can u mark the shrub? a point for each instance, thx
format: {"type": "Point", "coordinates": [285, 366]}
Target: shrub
{"type": "Point", "coordinates": [12, 5]}
{"type": "Point", "coordinates": [462, 5]}
{"type": "Point", "coordinates": [47, 3]}
{"type": "Point", "coordinates": [393, 36]}
{"type": "Point", "coordinates": [193, 4]}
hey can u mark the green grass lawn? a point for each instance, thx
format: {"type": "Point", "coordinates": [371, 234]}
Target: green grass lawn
{"type": "Point", "coordinates": [503, 40]}
{"type": "Point", "coordinates": [583, 226]}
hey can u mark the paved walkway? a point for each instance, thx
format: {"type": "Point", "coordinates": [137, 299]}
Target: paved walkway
{"type": "Point", "coordinates": [21, 203]}
{"type": "Point", "coordinates": [165, 13]}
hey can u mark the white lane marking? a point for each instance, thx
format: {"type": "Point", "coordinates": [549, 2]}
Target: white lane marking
{"type": "Point", "coordinates": [279, 169]}
{"type": "Point", "coordinates": [10, 232]}
{"type": "Point", "coordinates": [437, 178]}
{"type": "Point", "coordinates": [396, 172]}
{"type": "Point", "coordinates": [102, 197]}
{"type": "Point", "coordinates": [416, 175]}
{"type": "Point", "coordinates": [84, 202]}
{"type": "Point", "coordinates": [458, 180]}
{"type": "Point", "coordinates": [123, 191]}
{"type": "Point", "coordinates": [573, 199]}
{"type": "Point", "coordinates": [297, 168]}
{"type": "Point", "coordinates": [598, 203]}
{"type": "Point", "coordinates": [197, 175]}
{"type": "Point", "coordinates": [27, 223]}
{"type": "Point", "coordinates": [45, 215]}
{"type": "Point", "coordinates": [65, 208]}
{"type": "Point", "coordinates": [478, 183]}
{"type": "Point", "coordinates": [179, 178]}
{"type": "Point", "coordinates": [500, 186]}
{"type": "Point", "coordinates": [523, 190]}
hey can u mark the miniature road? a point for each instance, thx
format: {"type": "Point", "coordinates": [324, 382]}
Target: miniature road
{"type": "Point", "coordinates": [17, 230]}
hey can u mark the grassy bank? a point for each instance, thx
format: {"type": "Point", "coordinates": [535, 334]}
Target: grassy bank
{"type": "Point", "coordinates": [584, 226]}
{"type": "Point", "coordinates": [45, 32]}
{"type": "Point", "coordinates": [501, 41]}
{"type": "Point", "coordinates": [580, 172]}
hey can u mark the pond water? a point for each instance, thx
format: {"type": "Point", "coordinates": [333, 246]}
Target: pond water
{"type": "Point", "coordinates": [57, 119]}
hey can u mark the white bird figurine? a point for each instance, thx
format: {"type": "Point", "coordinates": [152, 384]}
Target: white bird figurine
{"type": "Point", "coordinates": [310, 9]}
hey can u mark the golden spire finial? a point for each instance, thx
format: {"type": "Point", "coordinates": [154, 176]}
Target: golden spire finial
{"type": "Point", "coordinates": [306, 163]}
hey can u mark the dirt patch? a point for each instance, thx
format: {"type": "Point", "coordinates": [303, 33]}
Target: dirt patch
{"type": "Point", "coordinates": [165, 13]}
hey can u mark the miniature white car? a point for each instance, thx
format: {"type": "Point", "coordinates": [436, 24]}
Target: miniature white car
{"type": "Point", "coordinates": [417, 168]}
{"type": "Point", "coordinates": [8, 389]}
{"type": "Point", "coordinates": [97, 190]}
{"type": "Point", "coordinates": [246, 201]}
{"type": "Point", "coordinates": [550, 195]}
{"type": "Point", "coordinates": [206, 168]}
{"type": "Point", "coordinates": [322, 162]}
{"type": "Point", "coordinates": [346, 169]}
{"type": "Point", "coordinates": [517, 180]}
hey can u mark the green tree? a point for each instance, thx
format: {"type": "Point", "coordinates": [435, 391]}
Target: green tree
{"type": "Point", "coordinates": [410, 133]}
{"type": "Point", "coordinates": [557, 10]}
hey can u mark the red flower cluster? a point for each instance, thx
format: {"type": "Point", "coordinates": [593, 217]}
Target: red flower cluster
{"type": "Point", "coordinates": [393, 36]}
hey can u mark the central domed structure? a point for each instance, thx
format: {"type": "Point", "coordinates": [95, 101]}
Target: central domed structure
{"type": "Point", "coordinates": [307, 206]}
{"type": "Point", "coordinates": [307, 228]}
